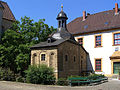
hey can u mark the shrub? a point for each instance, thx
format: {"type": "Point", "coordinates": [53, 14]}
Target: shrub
{"type": "Point", "coordinates": [6, 74]}
{"type": "Point", "coordinates": [20, 79]}
{"type": "Point", "coordinates": [40, 74]}
{"type": "Point", "coordinates": [95, 76]}
{"type": "Point", "coordinates": [62, 82]}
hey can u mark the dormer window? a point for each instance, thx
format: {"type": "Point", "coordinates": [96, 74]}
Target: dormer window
{"type": "Point", "coordinates": [49, 40]}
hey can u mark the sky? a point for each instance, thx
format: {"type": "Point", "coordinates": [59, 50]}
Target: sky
{"type": "Point", "coordinates": [49, 9]}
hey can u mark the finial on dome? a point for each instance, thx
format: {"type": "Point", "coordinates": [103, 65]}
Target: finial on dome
{"type": "Point", "coordinates": [62, 7]}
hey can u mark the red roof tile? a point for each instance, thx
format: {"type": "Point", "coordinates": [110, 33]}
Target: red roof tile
{"type": "Point", "coordinates": [95, 22]}
{"type": "Point", "coordinates": [7, 13]}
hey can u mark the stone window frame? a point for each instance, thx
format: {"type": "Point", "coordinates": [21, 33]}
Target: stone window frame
{"type": "Point", "coordinates": [43, 52]}
{"type": "Point", "coordinates": [43, 57]}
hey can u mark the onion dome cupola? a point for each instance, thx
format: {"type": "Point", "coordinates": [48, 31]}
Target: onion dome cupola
{"type": "Point", "coordinates": [62, 32]}
{"type": "Point", "coordinates": [62, 18]}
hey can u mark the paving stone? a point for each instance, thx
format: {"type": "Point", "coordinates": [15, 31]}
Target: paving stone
{"type": "Point", "coordinates": [6, 85]}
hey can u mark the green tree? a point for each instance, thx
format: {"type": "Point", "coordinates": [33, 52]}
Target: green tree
{"type": "Point", "coordinates": [16, 42]}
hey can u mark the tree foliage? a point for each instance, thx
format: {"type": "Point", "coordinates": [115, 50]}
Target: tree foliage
{"type": "Point", "coordinates": [16, 42]}
{"type": "Point", "coordinates": [6, 74]}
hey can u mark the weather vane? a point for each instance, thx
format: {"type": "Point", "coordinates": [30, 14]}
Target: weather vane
{"type": "Point", "coordinates": [62, 7]}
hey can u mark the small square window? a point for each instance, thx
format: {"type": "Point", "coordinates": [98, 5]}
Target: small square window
{"type": "Point", "coordinates": [42, 57]}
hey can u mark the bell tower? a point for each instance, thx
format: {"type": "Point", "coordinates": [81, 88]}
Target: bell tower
{"type": "Point", "coordinates": [62, 32]}
{"type": "Point", "coordinates": [62, 19]}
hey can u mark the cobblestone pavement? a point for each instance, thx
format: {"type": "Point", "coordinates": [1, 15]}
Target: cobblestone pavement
{"type": "Point", "coordinates": [111, 85]}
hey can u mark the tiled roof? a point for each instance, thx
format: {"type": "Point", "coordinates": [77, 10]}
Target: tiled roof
{"type": "Point", "coordinates": [52, 44]}
{"type": "Point", "coordinates": [56, 38]}
{"type": "Point", "coordinates": [46, 44]}
{"type": "Point", "coordinates": [96, 22]}
{"type": "Point", "coordinates": [7, 13]}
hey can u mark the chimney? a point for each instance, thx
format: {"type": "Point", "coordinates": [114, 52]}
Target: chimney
{"type": "Point", "coordinates": [116, 8]}
{"type": "Point", "coordinates": [88, 14]}
{"type": "Point", "coordinates": [84, 15]}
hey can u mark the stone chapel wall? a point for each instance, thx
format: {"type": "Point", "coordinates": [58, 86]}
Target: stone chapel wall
{"type": "Point", "coordinates": [73, 65]}
{"type": "Point", "coordinates": [50, 58]}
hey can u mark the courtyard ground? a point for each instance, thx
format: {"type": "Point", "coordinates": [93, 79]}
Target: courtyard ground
{"type": "Point", "coordinates": [111, 85]}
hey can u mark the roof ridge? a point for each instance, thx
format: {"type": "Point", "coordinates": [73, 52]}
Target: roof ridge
{"type": "Point", "coordinates": [90, 15]}
{"type": "Point", "coordinates": [97, 13]}
{"type": "Point", "coordinates": [101, 12]}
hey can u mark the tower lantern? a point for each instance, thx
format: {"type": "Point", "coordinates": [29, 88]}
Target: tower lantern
{"type": "Point", "coordinates": [62, 19]}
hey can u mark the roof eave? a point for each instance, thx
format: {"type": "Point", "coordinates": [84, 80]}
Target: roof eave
{"type": "Point", "coordinates": [97, 30]}
{"type": "Point", "coordinates": [42, 47]}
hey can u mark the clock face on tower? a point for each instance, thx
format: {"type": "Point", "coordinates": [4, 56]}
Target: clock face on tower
{"type": "Point", "coordinates": [57, 36]}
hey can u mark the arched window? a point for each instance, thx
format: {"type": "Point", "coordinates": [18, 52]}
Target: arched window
{"type": "Point", "coordinates": [51, 56]}
{"type": "Point", "coordinates": [34, 58]}
{"type": "Point", "coordinates": [66, 57]}
{"type": "Point", "coordinates": [52, 53]}
{"type": "Point", "coordinates": [74, 59]}
{"type": "Point", "coordinates": [62, 23]}
{"type": "Point", "coordinates": [52, 59]}
{"type": "Point", "coordinates": [81, 65]}
{"type": "Point", "coordinates": [43, 56]}
{"type": "Point", "coordinates": [59, 24]}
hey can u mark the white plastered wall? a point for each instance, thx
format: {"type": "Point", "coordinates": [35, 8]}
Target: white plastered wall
{"type": "Point", "coordinates": [103, 52]}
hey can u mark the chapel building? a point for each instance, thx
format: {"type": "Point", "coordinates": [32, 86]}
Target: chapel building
{"type": "Point", "coordinates": [61, 51]}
